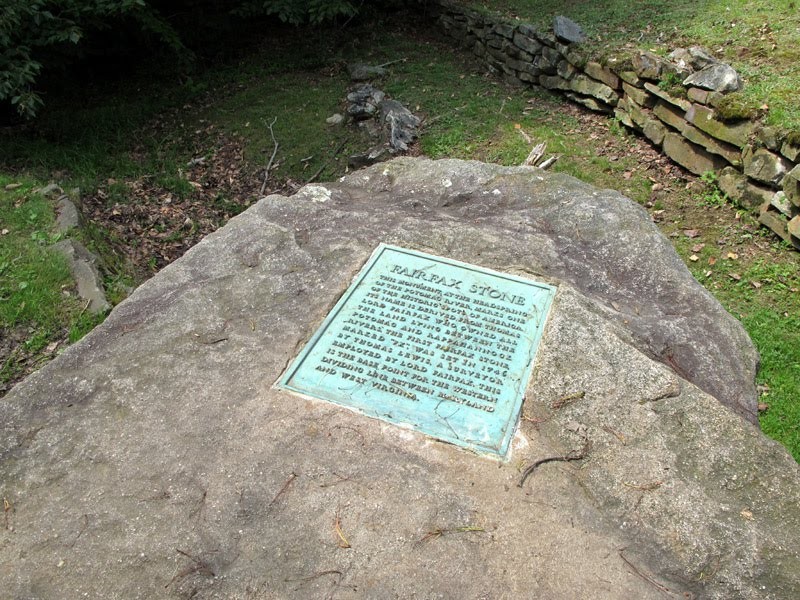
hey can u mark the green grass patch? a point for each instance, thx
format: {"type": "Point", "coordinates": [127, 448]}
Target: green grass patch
{"type": "Point", "coordinates": [765, 296]}
{"type": "Point", "coordinates": [31, 275]}
{"type": "Point", "coordinates": [38, 306]}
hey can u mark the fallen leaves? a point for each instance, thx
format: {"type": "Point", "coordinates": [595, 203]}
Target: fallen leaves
{"type": "Point", "coordinates": [152, 226]}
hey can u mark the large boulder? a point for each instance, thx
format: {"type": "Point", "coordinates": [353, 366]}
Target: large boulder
{"type": "Point", "coordinates": [156, 458]}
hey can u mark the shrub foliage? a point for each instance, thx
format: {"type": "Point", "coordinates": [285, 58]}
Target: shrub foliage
{"type": "Point", "coordinates": [39, 34]}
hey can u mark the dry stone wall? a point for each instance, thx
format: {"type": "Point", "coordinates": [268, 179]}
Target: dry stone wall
{"type": "Point", "coordinates": [673, 102]}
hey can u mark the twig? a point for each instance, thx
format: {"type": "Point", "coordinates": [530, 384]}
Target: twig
{"type": "Point", "coordinates": [303, 580]}
{"type": "Point", "coordinates": [535, 155]}
{"type": "Point", "coordinates": [548, 163]}
{"type": "Point", "coordinates": [648, 579]}
{"type": "Point", "coordinates": [435, 534]}
{"type": "Point", "coordinates": [84, 527]}
{"type": "Point", "coordinates": [644, 487]}
{"type": "Point", "coordinates": [199, 566]}
{"type": "Point", "coordinates": [337, 526]}
{"type": "Point", "coordinates": [85, 306]}
{"type": "Point", "coordinates": [391, 62]}
{"type": "Point", "coordinates": [325, 164]}
{"type": "Point", "coordinates": [616, 434]}
{"type": "Point", "coordinates": [341, 480]}
{"type": "Point", "coordinates": [536, 421]}
{"type": "Point", "coordinates": [285, 487]}
{"type": "Point", "coordinates": [7, 510]}
{"type": "Point", "coordinates": [271, 158]}
{"type": "Point", "coordinates": [574, 455]}
{"type": "Point", "coordinates": [568, 399]}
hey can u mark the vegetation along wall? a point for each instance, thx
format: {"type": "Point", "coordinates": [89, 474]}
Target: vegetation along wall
{"type": "Point", "coordinates": [680, 103]}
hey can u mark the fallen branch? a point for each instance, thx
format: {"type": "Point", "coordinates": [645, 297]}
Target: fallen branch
{"type": "Point", "coordinates": [650, 580]}
{"type": "Point", "coordinates": [574, 455]}
{"type": "Point", "coordinates": [339, 148]}
{"type": "Point", "coordinates": [271, 158]}
{"type": "Point", "coordinates": [535, 155]}
{"type": "Point", "coordinates": [391, 62]}
{"type": "Point", "coordinates": [549, 162]}
{"type": "Point", "coordinates": [292, 477]}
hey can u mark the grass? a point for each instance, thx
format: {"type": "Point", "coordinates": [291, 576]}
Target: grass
{"type": "Point", "coordinates": [757, 37]}
{"type": "Point", "coordinates": [763, 295]}
{"type": "Point", "coordinates": [38, 306]}
{"type": "Point", "coordinates": [299, 81]}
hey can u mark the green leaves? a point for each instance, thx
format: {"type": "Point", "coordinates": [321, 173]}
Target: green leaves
{"type": "Point", "coordinates": [37, 33]}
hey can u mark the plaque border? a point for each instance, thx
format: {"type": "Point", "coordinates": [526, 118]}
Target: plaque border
{"type": "Point", "coordinates": [509, 426]}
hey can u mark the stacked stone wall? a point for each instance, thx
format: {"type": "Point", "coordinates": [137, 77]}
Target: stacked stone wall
{"type": "Point", "coordinates": [673, 102]}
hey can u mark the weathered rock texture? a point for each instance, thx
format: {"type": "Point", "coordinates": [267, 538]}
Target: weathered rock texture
{"type": "Point", "coordinates": [155, 458]}
{"type": "Point", "coordinates": [681, 119]}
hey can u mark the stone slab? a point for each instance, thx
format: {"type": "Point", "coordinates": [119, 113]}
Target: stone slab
{"type": "Point", "coordinates": [428, 342]}
{"type": "Point", "coordinates": [704, 118]}
{"type": "Point", "coordinates": [681, 103]}
{"type": "Point", "coordinates": [692, 157]}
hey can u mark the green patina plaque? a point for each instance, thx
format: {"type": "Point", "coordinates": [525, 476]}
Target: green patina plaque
{"type": "Point", "coordinates": [442, 346]}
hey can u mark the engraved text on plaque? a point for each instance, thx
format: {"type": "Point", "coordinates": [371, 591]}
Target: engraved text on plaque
{"type": "Point", "coordinates": [442, 346]}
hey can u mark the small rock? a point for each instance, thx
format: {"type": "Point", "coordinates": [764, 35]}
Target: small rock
{"type": "Point", "coordinates": [50, 188]}
{"type": "Point", "coordinates": [762, 165]}
{"type": "Point", "coordinates": [401, 124]}
{"type": "Point", "coordinates": [82, 264]}
{"type": "Point", "coordinates": [700, 58]}
{"type": "Point", "coordinates": [335, 119]}
{"type": "Point", "coordinates": [67, 215]}
{"type": "Point", "coordinates": [647, 65]}
{"type": "Point", "coordinates": [364, 102]}
{"type": "Point", "coordinates": [362, 72]}
{"type": "Point", "coordinates": [567, 30]}
{"type": "Point", "coordinates": [717, 77]}
{"type": "Point", "coordinates": [13, 186]}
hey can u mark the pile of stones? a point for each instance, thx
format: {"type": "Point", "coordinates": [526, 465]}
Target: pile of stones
{"type": "Point", "coordinates": [674, 101]}
{"type": "Point", "coordinates": [392, 123]}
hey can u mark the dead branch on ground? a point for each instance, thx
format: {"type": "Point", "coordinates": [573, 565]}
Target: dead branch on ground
{"type": "Point", "coordinates": [271, 158]}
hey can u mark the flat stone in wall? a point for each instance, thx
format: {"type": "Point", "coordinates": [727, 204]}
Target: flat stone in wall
{"type": "Point", "coordinates": [690, 156]}
{"type": "Point", "coordinates": [589, 87]}
{"type": "Point", "coordinates": [791, 186]}
{"type": "Point", "coordinates": [681, 103]}
{"type": "Point", "coordinates": [601, 73]}
{"type": "Point", "coordinates": [638, 95]}
{"type": "Point", "coordinates": [705, 119]}
{"type": "Point", "coordinates": [764, 166]}
{"type": "Point", "coordinates": [790, 150]}
{"type": "Point", "coordinates": [736, 185]}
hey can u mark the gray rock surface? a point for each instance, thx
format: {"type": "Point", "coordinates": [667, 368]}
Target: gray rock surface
{"type": "Point", "coordinates": [156, 459]}
{"type": "Point", "coordinates": [83, 266]}
{"type": "Point", "coordinates": [363, 102]}
{"type": "Point", "coordinates": [362, 72]}
{"type": "Point", "coordinates": [717, 77]}
{"type": "Point", "coordinates": [400, 124]}
{"type": "Point", "coordinates": [67, 215]}
{"type": "Point", "coordinates": [568, 31]}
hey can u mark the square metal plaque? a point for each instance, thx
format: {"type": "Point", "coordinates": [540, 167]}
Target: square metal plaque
{"type": "Point", "coordinates": [439, 345]}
